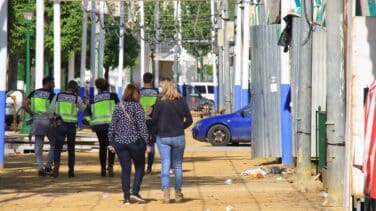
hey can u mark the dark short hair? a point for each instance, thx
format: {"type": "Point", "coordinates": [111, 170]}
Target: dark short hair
{"type": "Point", "coordinates": [47, 80]}
{"type": "Point", "coordinates": [73, 85]}
{"type": "Point", "coordinates": [131, 93]}
{"type": "Point", "coordinates": [102, 84]}
{"type": "Point", "coordinates": [148, 77]}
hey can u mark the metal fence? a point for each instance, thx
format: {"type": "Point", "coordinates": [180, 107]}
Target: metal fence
{"type": "Point", "coordinates": [265, 91]}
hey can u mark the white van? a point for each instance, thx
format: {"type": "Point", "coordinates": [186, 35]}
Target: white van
{"type": "Point", "coordinates": [206, 89]}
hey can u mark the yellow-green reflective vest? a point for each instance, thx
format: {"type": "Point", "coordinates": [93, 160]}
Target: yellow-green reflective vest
{"type": "Point", "coordinates": [66, 107]}
{"type": "Point", "coordinates": [147, 102]}
{"type": "Point", "coordinates": [40, 102]}
{"type": "Point", "coordinates": [102, 109]}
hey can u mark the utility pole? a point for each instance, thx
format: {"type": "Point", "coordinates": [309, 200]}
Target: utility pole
{"type": "Point", "coordinates": [238, 56]}
{"type": "Point", "coordinates": [226, 58]}
{"type": "Point", "coordinates": [119, 82]}
{"type": "Point", "coordinates": [336, 115]}
{"type": "Point", "coordinates": [286, 132]}
{"type": "Point", "coordinates": [157, 27]}
{"type": "Point", "coordinates": [178, 40]}
{"type": "Point", "coordinates": [142, 43]}
{"type": "Point", "coordinates": [214, 55]}
{"type": "Point", "coordinates": [57, 47]}
{"type": "Point", "coordinates": [83, 60]}
{"type": "Point", "coordinates": [101, 39]}
{"type": "Point", "coordinates": [3, 72]}
{"type": "Point", "coordinates": [245, 64]}
{"type": "Point", "coordinates": [92, 49]}
{"type": "Point", "coordinates": [39, 45]}
{"type": "Point", "coordinates": [221, 39]}
{"type": "Point", "coordinates": [304, 98]}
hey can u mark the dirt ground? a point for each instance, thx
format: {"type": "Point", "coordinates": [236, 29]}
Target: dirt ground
{"type": "Point", "coordinates": [212, 180]}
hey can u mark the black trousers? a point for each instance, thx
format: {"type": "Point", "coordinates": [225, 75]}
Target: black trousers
{"type": "Point", "coordinates": [151, 154]}
{"type": "Point", "coordinates": [127, 153]}
{"type": "Point", "coordinates": [65, 130]}
{"type": "Point", "coordinates": [103, 144]}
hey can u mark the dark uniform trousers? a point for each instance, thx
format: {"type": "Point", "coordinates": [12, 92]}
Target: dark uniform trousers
{"type": "Point", "coordinates": [66, 130]}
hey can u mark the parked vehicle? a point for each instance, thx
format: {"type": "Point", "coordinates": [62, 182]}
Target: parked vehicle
{"type": "Point", "coordinates": [224, 129]}
{"type": "Point", "coordinates": [205, 88]}
{"type": "Point", "coordinates": [196, 101]}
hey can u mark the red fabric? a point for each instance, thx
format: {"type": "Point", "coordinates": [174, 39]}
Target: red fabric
{"type": "Point", "coordinates": [369, 167]}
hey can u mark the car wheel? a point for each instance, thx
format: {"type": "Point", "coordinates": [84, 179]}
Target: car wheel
{"type": "Point", "coordinates": [219, 135]}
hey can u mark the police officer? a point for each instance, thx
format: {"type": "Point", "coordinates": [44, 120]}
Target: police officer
{"type": "Point", "coordinates": [147, 101]}
{"type": "Point", "coordinates": [65, 106]}
{"type": "Point", "coordinates": [101, 116]}
{"type": "Point", "coordinates": [40, 100]}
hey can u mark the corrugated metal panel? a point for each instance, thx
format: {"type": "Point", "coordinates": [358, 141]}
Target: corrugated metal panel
{"type": "Point", "coordinates": [265, 99]}
{"type": "Point", "coordinates": [318, 80]}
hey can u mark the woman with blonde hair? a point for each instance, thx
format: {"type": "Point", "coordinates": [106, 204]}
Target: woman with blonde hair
{"type": "Point", "coordinates": [171, 116]}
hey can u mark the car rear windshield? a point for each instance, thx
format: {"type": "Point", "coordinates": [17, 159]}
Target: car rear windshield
{"type": "Point", "coordinates": [210, 89]}
{"type": "Point", "coordinates": [201, 89]}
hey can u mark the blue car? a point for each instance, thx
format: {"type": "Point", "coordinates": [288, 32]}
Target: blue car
{"type": "Point", "coordinates": [224, 129]}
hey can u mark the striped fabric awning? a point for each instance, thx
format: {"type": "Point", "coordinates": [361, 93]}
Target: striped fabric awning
{"type": "Point", "coordinates": [369, 166]}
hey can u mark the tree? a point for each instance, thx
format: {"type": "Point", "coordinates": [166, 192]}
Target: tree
{"type": "Point", "coordinates": [71, 23]}
{"type": "Point", "coordinates": [111, 54]}
{"type": "Point", "coordinates": [71, 30]}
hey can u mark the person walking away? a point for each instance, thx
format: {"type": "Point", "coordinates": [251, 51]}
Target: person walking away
{"type": "Point", "coordinates": [128, 137]}
{"type": "Point", "coordinates": [101, 114]}
{"type": "Point", "coordinates": [65, 106]}
{"type": "Point", "coordinates": [171, 116]}
{"type": "Point", "coordinates": [40, 100]}
{"type": "Point", "coordinates": [149, 96]}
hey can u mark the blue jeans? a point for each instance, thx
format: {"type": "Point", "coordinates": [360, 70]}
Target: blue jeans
{"type": "Point", "coordinates": [171, 150]}
{"type": "Point", "coordinates": [127, 153]}
{"type": "Point", "coordinates": [38, 148]}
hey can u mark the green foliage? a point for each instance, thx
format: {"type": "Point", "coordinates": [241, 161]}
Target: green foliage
{"type": "Point", "coordinates": [195, 24]}
{"type": "Point", "coordinates": [111, 54]}
{"type": "Point", "coordinates": [71, 22]}
{"type": "Point", "coordinates": [71, 29]}
{"type": "Point", "coordinates": [17, 25]}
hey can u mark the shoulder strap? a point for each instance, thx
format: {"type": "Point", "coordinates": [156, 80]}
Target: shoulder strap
{"type": "Point", "coordinates": [126, 113]}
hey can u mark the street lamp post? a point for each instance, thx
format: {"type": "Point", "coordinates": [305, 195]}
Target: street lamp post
{"type": "Point", "coordinates": [28, 16]}
{"type": "Point", "coordinates": [152, 55]}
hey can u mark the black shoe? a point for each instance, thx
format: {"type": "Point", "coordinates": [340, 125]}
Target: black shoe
{"type": "Point", "coordinates": [103, 173]}
{"type": "Point", "coordinates": [137, 197]}
{"type": "Point", "coordinates": [48, 171]}
{"type": "Point", "coordinates": [111, 172]}
{"type": "Point", "coordinates": [71, 174]}
{"type": "Point", "coordinates": [148, 171]}
{"type": "Point", "coordinates": [41, 173]}
{"type": "Point", "coordinates": [127, 200]}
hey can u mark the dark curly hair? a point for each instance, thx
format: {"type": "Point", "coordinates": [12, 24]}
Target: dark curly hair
{"type": "Point", "coordinates": [102, 84]}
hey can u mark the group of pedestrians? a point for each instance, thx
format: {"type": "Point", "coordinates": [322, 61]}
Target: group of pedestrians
{"type": "Point", "coordinates": [54, 116]}
{"type": "Point", "coordinates": [129, 128]}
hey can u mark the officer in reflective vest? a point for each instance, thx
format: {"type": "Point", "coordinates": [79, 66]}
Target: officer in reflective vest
{"type": "Point", "coordinates": [147, 101]}
{"type": "Point", "coordinates": [65, 106]}
{"type": "Point", "coordinates": [40, 100]}
{"type": "Point", "coordinates": [101, 116]}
